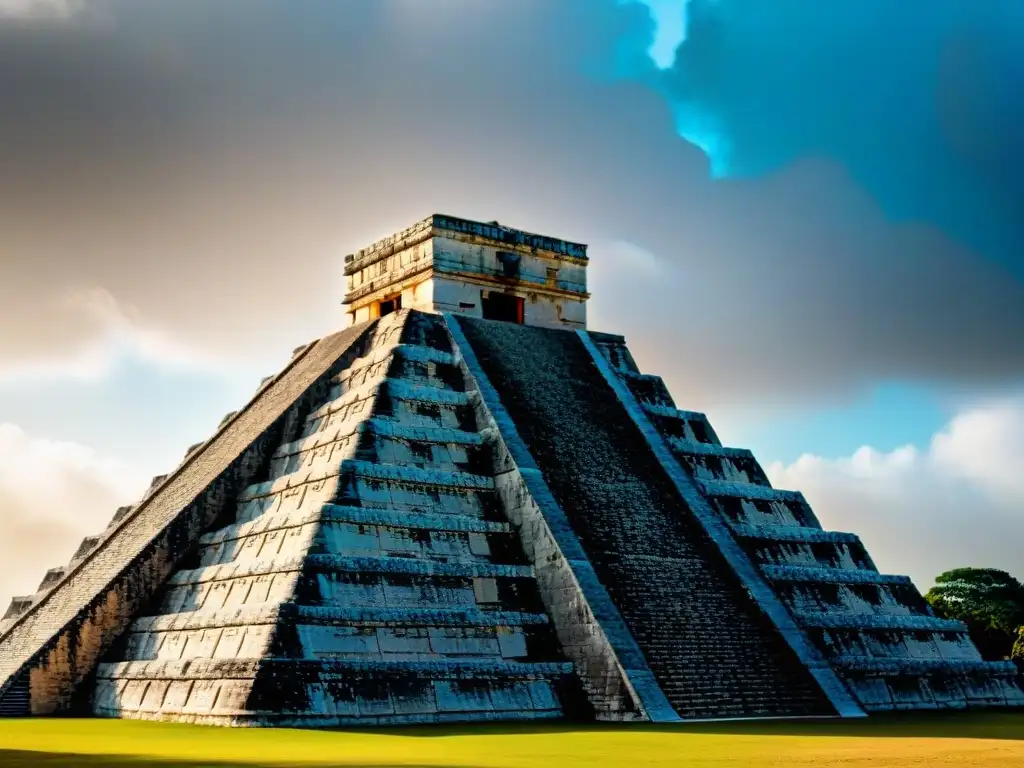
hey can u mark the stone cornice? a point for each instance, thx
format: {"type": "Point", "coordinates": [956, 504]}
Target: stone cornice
{"type": "Point", "coordinates": [407, 238]}
{"type": "Point", "coordinates": [391, 284]}
{"type": "Point", "coordinates": [440, 225]}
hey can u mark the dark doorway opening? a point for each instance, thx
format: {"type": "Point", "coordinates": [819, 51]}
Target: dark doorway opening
{"type": "Point", "coordinates": [502, 306]}
{"type": "Point", "coordinates": [391, 305]}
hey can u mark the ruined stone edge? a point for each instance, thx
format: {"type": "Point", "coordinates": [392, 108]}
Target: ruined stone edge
{"type": "Point", "coordinates": [24, 658]}
{"type": "Point", "coordinates": [638, 676]}
{"type": "Point", "coordinates": [190, 458]}
{"type": "Point", "coordinates": [436, 223]}
{"type": "Point", "coordinates": [833, 688]}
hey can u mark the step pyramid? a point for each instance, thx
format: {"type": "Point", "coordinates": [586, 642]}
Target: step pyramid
{"type": "Point", "coordinates": [433, 517]}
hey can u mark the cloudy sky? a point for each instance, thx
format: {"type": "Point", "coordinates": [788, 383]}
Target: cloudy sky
{"type": "Point", "coordinates": [807, 216]}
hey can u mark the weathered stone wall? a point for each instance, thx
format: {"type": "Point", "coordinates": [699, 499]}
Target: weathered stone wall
{"type": "Point", "coordinates": [617, 680]}
{"type": "Point", "coordinates": [554, 289]}
{"type": "Point", "coordinates": [402, 272]}
{"type": "Point", "coordinates": [59, 640]}
{"type": "Point", "coordinates": [443, 264]}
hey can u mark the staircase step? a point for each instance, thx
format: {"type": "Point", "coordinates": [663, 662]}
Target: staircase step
{"type": "Point", "coordinates": [419, 365]}
{"type": "Point", "coordinates": [697, 448]}
{"type": "Point", "coordinates": [397, 389]}
{"type": "Point", "coordinates": [417, 520]}
{"type": "Point", "coordinates": [793, 533]}
{"type": "Point", "coordinates": [416, 475]}
{"type": "Point", "coordinates": [438, 617]}
{"type": "Point", "coordinates": [876, 621]}
{"type": "Point", "coordinates": [16, 700]}
{"type": "Point", "coordinates": [907, 666]}
{"type": "Point", "coordinates": [796, 573]}
{"type": "Point", "coordinates": [241, 616]}
{"type": "Point", "coordinates": [380, 440]}
{"type": "Point", "coordinates": [372, 471]}
{"type": "Point", "coordinates": [337, 513]}
{"type": "Point", "coordinates": [220, 669]}
{"type": "Point", "coordinates": [378, 355]}
{"type": "Point", "coordinates": [312, 562]}
{"type": "Point", "coordinates": [749, 491]}
{"type": "Point", "coordinates": [316, 614]}
{"type": "Point", "coordinates": [438, 435]}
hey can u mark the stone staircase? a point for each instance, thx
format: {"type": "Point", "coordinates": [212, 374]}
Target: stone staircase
{"type": "Point", "coordinates": [16, 701]}
{"type": "Point", "coordinates": [876, 630]}
{"type": "Point", "coordinates": [712, 652]}
{"type": "Point", "coordinates": [371, 577]}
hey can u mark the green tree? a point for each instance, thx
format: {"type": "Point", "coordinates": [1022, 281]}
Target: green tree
{"type": "Point", "coordinates": [989, 601]}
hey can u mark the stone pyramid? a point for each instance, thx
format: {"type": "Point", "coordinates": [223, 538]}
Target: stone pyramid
{"type": "Point", "coordinates": [473, 508]}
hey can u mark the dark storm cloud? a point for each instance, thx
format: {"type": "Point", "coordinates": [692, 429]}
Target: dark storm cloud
{"type": "Point", "coordinates": [920, 101]}
{"type": "Point", "coordinates": [210, 163]}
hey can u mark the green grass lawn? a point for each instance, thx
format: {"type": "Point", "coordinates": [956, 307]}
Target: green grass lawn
{"type": "Point", "coordinates": [966, 740]}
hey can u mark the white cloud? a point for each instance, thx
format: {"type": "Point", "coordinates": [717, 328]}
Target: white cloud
{"type": "Point", "coordinates": [986, 446]}
{"type": "Point", "coordinates": [958, 503]}
{"type": "Point", "coordinates": [52, 494]}
{"type": "Point", "coordinates": [123, 334]}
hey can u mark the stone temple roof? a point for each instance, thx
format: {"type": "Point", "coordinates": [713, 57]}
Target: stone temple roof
{"type": "Point", "coordinates": [437, 224]}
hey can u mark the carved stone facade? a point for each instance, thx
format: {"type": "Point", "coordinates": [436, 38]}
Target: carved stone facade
{"type": "Point", "coordinates": [445, 264]}
{"type": "Point", "coordinates": [433, 517]}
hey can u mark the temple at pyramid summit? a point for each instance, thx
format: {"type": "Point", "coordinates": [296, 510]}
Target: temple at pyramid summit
{"type": "Point", "coordinates": [467, 506]}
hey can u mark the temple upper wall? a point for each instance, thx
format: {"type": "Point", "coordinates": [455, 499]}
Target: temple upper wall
{"type": "Point", "coordinates": [444, 264]}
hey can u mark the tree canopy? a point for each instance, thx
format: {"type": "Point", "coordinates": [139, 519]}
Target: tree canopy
{"type": "Point", "coordinates": [989, 601]}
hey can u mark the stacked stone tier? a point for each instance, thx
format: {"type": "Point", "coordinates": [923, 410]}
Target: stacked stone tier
{"type": "Point", "coordinates": [50, 647]}
{"type": "Point", "coordinates": [365, 369]}
{"type": "Point", "coordinates": [18, 605]}
{"type": "Point", "coordinates": [875, 629]}
{"type": "Point", "coordinates": [370, 577]}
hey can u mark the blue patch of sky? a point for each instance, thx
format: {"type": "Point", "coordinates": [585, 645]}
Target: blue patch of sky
{"type": "Point", "coordinates": [669, 18]}
{"type": "Point", "coordinates": [890, 416]}
{"type": "Point", "coordinates": [138, 413]}
{"type": "Point", "coordinates": [693, 122]}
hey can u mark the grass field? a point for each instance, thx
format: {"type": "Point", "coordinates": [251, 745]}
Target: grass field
{"type": "Point", "coordinates": [962, 740]}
